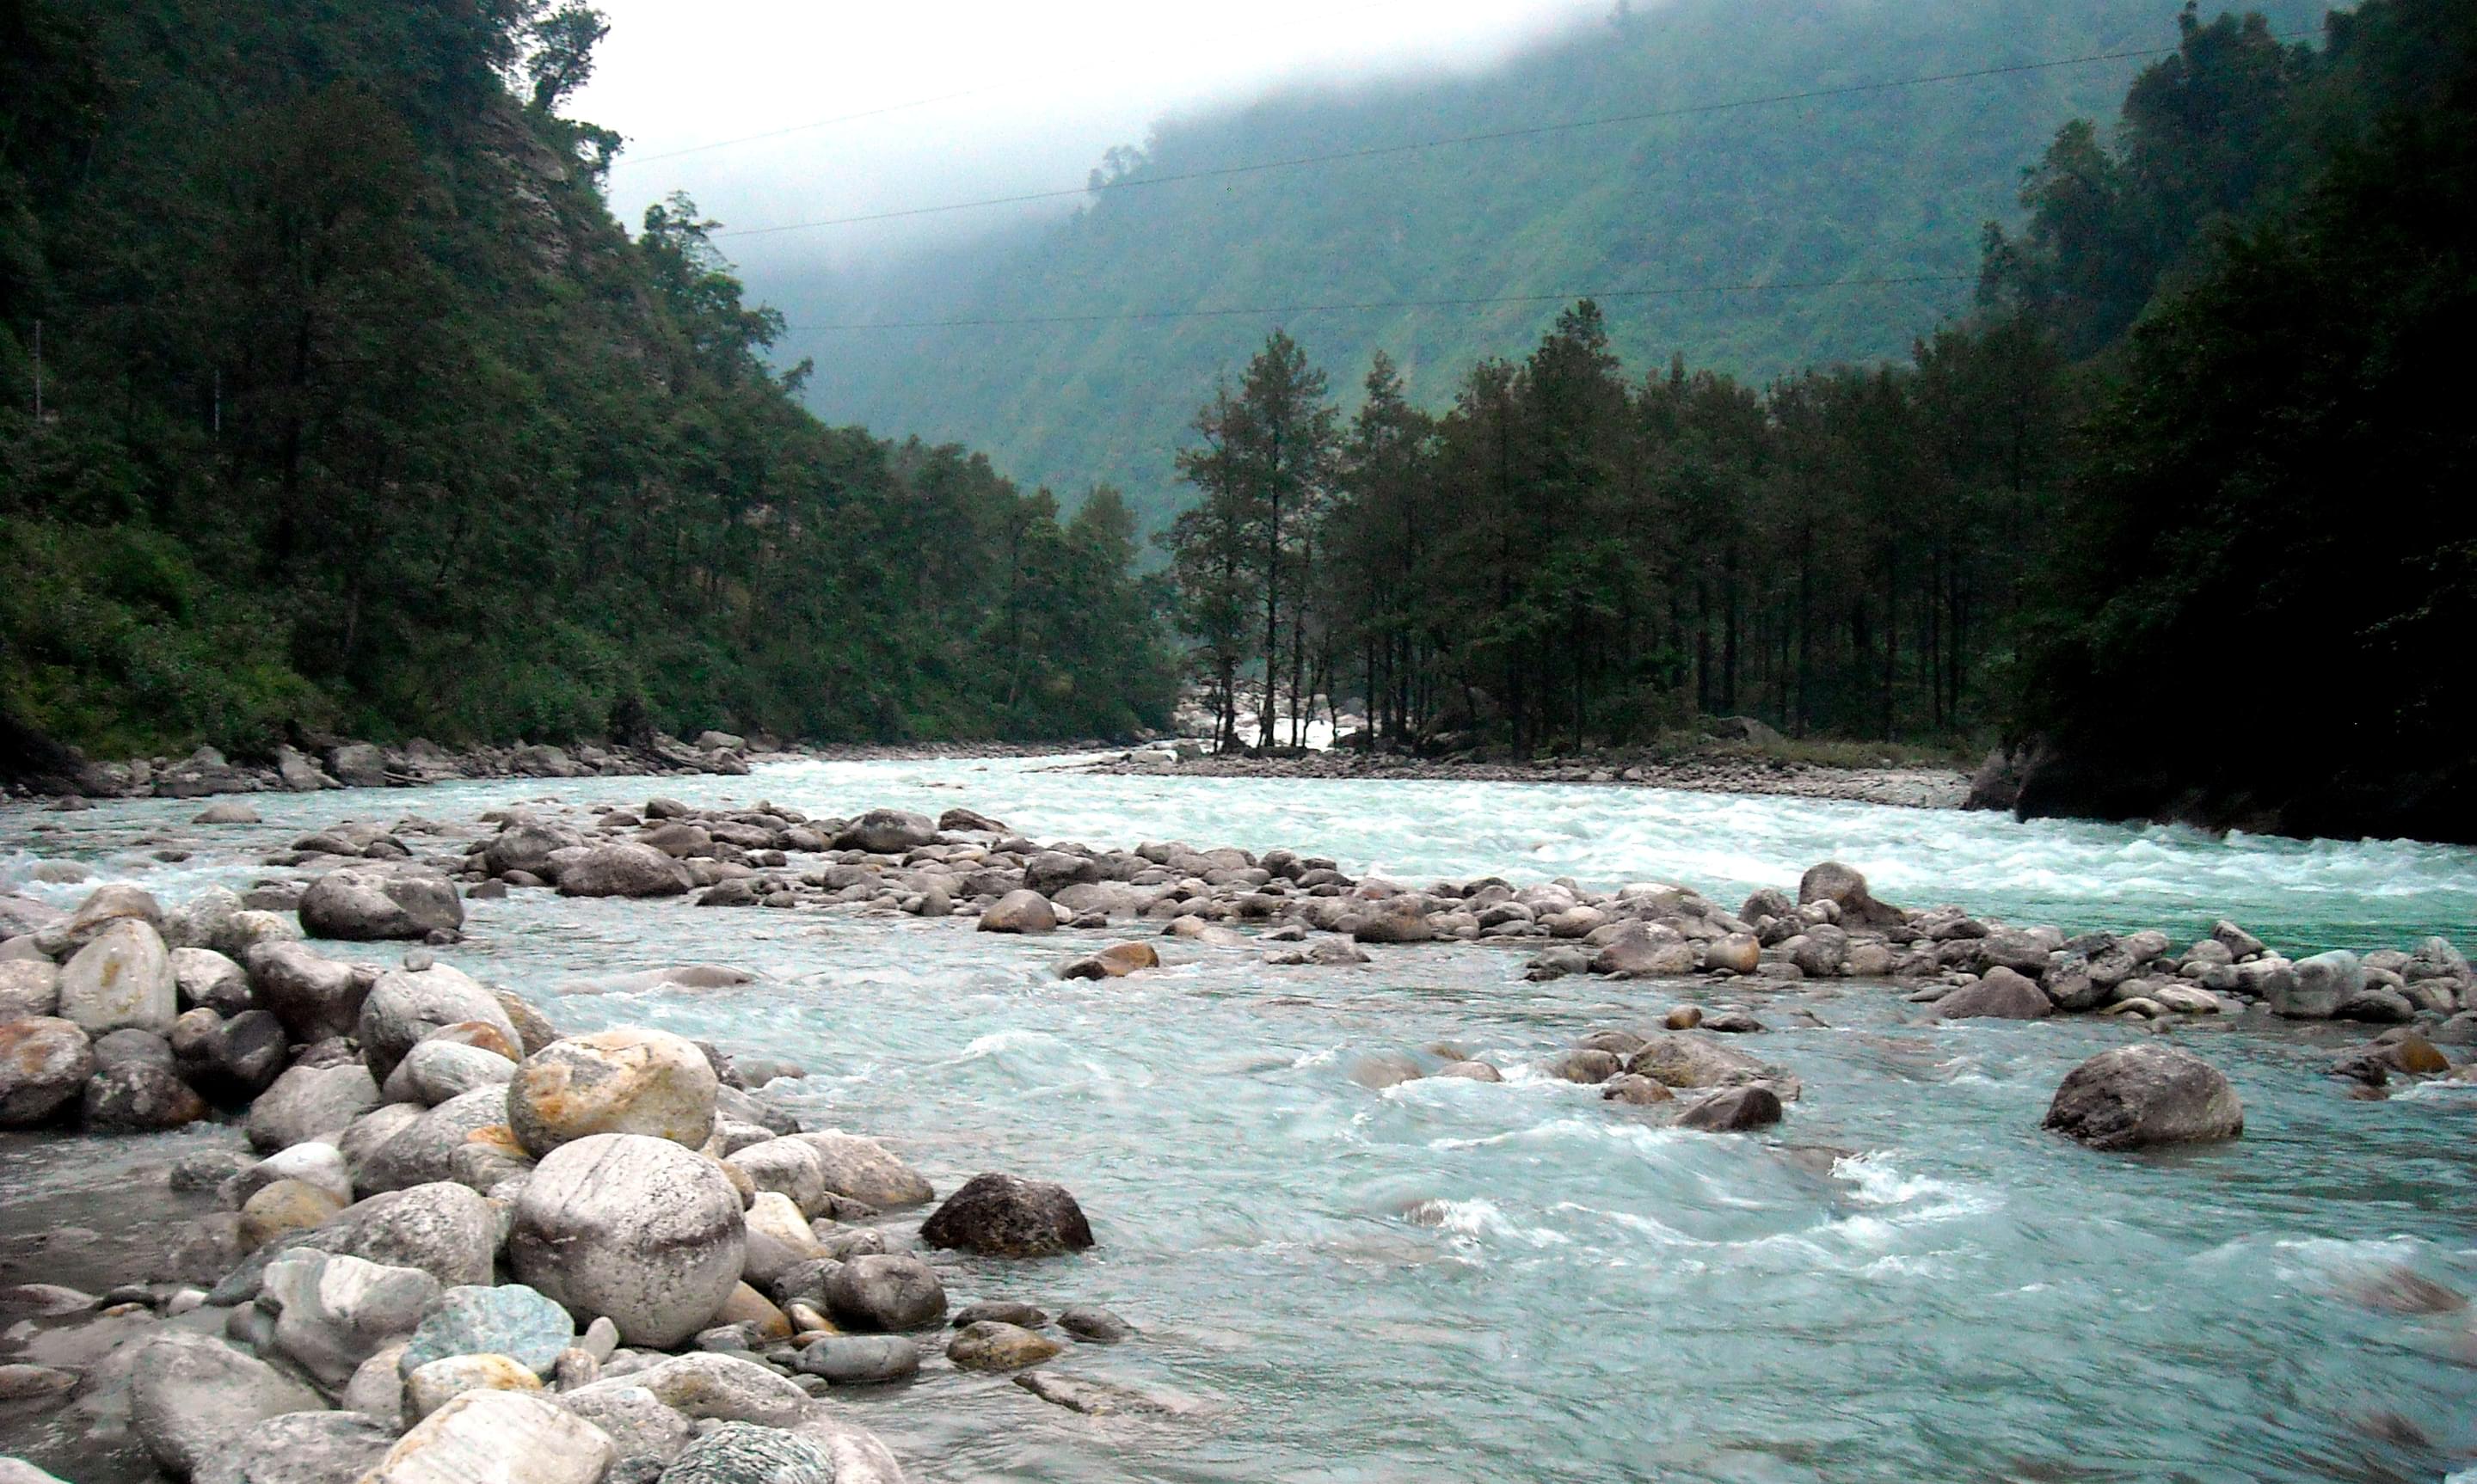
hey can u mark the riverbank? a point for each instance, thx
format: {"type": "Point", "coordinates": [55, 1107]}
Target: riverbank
{"type": "Point", "coordinates": [1721, 769]}
{"type": "Point", "coordinates": [207, 772]}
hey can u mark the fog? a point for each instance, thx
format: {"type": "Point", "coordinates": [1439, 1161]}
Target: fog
{"type": "Point", "coordinates": [861, 109]}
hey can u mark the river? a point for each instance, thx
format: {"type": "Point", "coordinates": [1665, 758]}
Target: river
{"type": "Point", "coordinates": [1907, 1280]}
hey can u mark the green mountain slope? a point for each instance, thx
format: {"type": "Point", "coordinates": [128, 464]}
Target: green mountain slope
{"type": "Point", "coordinates": [333, 397]}
{"type": "Point", "coordinates": [1883, 185]}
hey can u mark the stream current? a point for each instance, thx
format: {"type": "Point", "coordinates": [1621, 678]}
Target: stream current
{"type": "Point", "coordinates": [1906, 1280]}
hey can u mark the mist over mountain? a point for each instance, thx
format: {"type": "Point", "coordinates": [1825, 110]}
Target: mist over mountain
{"type": "Point", "coordinates": [1835, 194]}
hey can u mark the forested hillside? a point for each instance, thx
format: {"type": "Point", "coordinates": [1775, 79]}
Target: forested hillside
{"type": "Point", "coordinates": [2179, 507]}
{"type": "Point", "coordinates": [1888, 185]}
{"type": "Point", "coordinates": [2259, 594]}
{"type": "Point", "coordinates": [332, 397]}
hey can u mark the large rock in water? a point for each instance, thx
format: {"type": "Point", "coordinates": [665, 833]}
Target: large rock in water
{"type": "Point", "coordinates": [2143, 1095]}
{"type": "Point", "coordinates": [193, 1398]}
{"type": "Point", "coordinates": [367, 905]}
{"type": "Point", "coordinates": [1733, 1110]}
{"type": "Point", "coordinates": [2002, 995]}
{"type": "Point", "coordinates": [887, 832]}
{"type": "Point", "coordinates": [625, 868]}
{"type": "Point", "coordinates": [122, 979]}
{"type": "Point", "coordinates": [497, 1437]}
{"type": "Point", "coordinates": [1840, 884]}
{"type": "Point", "coordinates": [1678, 1059]}
{"type": "Point", "coordinates": [1020, 911]}
{"type": "Point", "coordinates": [407, 1006]}
{"type": "Point", "coordinates": [887, 1291]}
{"type": "Point", "coordinates": [2313, 989]}
{"type": "Point", "coordinates": [634, 1228]}
{"type": "Point", "coordinates": [45, 1062]}
{"type": "Point", "coordinates": [626, 1080]}
{"type": "Point", "coordinates": [1007, 1215]}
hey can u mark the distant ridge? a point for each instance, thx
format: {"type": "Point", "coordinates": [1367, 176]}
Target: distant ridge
{"type": "Point", "coordinates": [1874, 201]}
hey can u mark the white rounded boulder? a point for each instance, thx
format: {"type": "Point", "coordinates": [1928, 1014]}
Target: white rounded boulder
{"type": "Point", "coordinates": [633, 1228]}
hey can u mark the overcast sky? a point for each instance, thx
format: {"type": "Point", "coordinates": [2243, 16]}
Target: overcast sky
{"type": "Point", "coordinates": [1045, 88]}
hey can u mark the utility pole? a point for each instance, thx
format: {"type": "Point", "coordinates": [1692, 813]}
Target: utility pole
{"type": "Point", "coordinates": [219, 402]}
{"type": "Point", "coordinates": [39, 373]}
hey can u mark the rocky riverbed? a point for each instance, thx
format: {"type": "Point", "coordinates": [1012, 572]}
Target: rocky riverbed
{"type": "Point", "coordinates": [1176, 1032]}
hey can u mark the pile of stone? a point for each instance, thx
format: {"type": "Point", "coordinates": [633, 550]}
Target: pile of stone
{"type": "Point", "coordinates": [477, 1250]}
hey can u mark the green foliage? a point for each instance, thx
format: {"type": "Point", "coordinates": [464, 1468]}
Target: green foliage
{"type": "Point", "coordinates": [1565, 558]}
{"type": "Point", "coordinates": [2273, 516]}
{"type": "Point", "coordinates": [1872, 185]}
{"type": "Point", "coordinates": [360, 411]}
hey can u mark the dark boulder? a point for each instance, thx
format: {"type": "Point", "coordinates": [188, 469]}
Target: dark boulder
{"type": "Point", "coordinates": [1006, 1216]}
{"type": "Point", "coordinates": [1733, 1110]}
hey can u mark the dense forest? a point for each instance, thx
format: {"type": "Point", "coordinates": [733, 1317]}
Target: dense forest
{"type": "Point", "coordinates": [2121, 500]}
{"type": "Point", "coordinates": [333, 399]}
{"type": "Point", "coordinates": [1565, 557]}
{"type": "Point", "coordinates": [1861, 210]}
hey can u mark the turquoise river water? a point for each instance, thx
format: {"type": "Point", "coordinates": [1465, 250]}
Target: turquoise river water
{"type": "Point", "coordinates": [1907, 1280]}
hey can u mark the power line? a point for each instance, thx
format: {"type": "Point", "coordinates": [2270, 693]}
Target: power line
{"type": "Point", "coordinates": [1380, 151]}
{"type": "Point", "coordinates": [1671, 292]}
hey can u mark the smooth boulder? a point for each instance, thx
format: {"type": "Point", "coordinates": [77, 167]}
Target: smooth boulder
{"type": "Point", "coordinates": [371, 905]}
{"type": "Point", "coordinates": [122, 979]}
{"type": "Point", "coordinates": [994, 1344]}
{"type": "Point", "coordinates": [2316, 988]}
{"type": "Point", "coordinates": [884, 1291]}
{"type": "Point", "coordinates": [858, 1168]}
{"type": "Point", "coordinates": [497, 1437]}
{"type": "Point", "coordinates": [1021, 912]}
{"type": "Point", "coordinates": [1733, 1110]}
{"type": "Point", "coordinates": [2138, 1096]}
{"type": "Point", "coordinates": [406, 1007]}
{"type": "Point", "coordinates": [139, 1097]}
{"type": "Point", "coordinates": [2002, 995]}
{"type": "Point", "coordinates": [312, 1104]}
{"type": "Point", "coordinates": [621, 1081]}
{"type": "Point", "coordinates": [633, 1228]}
{"type": "Point", "coordinates": [624, 868]}
{"type": "Point", "coordinates": [332, 1312]}
{"type": "Point", "coordinates": [193, 1398]}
